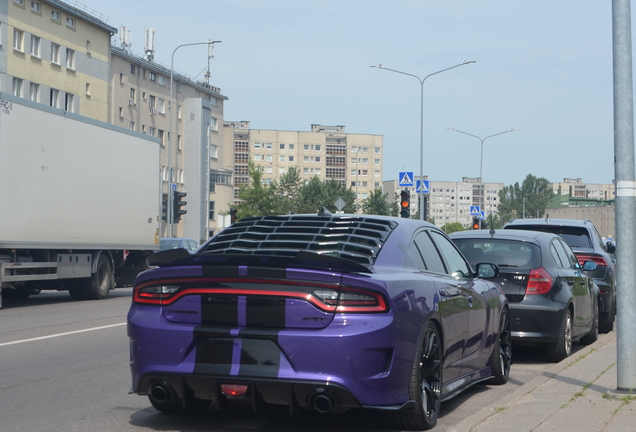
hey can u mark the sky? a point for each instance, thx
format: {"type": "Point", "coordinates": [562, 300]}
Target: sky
{"type": "Point", "coordinates": [542, 67]}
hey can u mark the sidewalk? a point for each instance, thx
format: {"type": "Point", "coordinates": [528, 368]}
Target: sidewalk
{"type": "Point", "coordinates": [568, 396]}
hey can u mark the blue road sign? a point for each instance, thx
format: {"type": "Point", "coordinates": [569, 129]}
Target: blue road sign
{"type": "Point", "coordinates": [482, 215]}
{"type": "Point", "coordinates": [422, 187]}
{"type": "Point", "coordinates": [406, 179]}
{"type": "Point", "coordinates": [474, 210]}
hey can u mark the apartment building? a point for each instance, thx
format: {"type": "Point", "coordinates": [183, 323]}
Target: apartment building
{"type": "Point", "coordinates": [449, 202]}
{"type": "Point", "coordinates": [192, 160]}
{"type": "Point", "coordinates": [329, 152]}
{"type": "Point", "coordinates": [55, 54]}
{"type": "Point", "coordinates": [577, 188]}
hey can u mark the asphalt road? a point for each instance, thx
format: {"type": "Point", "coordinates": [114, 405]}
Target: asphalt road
{"type": "Point", "coordinates": [64, 367]}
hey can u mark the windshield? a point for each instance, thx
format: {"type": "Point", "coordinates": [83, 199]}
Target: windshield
{"type": "Point", "coordinates": [166, 244]}
{"type": "Point", "coordinates": [504, 253]}
{"type": "Point", "coordinates": [575, 237]}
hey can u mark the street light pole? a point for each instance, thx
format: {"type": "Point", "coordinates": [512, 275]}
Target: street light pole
{"type": "Point", "coordinates": [170, 210]}
{"type": "Point", "coordinates": [481, 162]}
{"type": "Point", "coordinates": [421, 80]}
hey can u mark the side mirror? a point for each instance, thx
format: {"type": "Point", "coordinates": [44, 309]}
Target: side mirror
{"type": "Point", "coordinates": [610, 247]}
{"type": "Point", "coordinates": [590, 266]}
{"type": "Point", "coordinates": [487, 270]}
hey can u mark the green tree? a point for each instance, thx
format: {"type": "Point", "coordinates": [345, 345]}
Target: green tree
{"type": "Point", "coordinates": [377, 204]}
{"type": "Point", "coordinates": [258, 199]}
{"type": "Point", "coordinates": [452, 227]}
{"type": "Point", "coordinates": [531, 199]}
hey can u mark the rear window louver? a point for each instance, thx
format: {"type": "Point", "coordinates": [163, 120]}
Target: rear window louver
{"type": "Point", "coordinates": [357, 238]}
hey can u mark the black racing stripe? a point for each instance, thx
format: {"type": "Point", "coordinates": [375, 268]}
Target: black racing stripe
{"type": "Point", "coordinates": [265, 312]}
{"type": "Point", "coordinates": [259, 358]}
{"type": "Point", "coordinates": [214, 356]}
{"type": "Point", "coordinates": [219, 310]}
{"type": "Point", "coordinates": [269, 273]}
{"type": "Point", "coordinates": [220, 272]}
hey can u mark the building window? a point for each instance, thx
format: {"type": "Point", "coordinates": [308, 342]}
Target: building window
{"type": "Point", "coordinates": [55, 97]}
{"type": "Point", "coordinates": [88, 47]}
{"type": "Point", "coordinates": [152, 131]}
{"type": "Point", "coordinates": [281, 146]}
{"type": "Point", "coordinates": [281, 170]}
{"type": "Point", "coordinates": [268, 158]}
{"type": "Point", "coordinates": [179, 143]}
{"type": "Point", "coordinates": [305, 170]}
{"type": "Point", "coordinates": [69, 100]}
{"type": "Point", "coordinates": [70, 21]}
{"type": "Point", "coordinates": [257, 145]}
{"type": "Point", "coordinates": [161, 107]}
{"type": "Point", "coordinates": [34, 92]}
{"type": "Point", "coordinates": [88, 89]}
{"type": "Point", "coordinates": [291, 146]}
{"type": "Point", "coordinates": [377, 150]}
{"type": "Point", "coordinates": [35, 6]}
{"type": "Point", "coordinates": [55, 53]}
{"type": "Point", "coordinates": [17, 87]}
{"type": "Point", "coordinates": [17, 39]}
{"type": "Point", "coordinates": [317, 148]}
{"type": "Point", "coordinates": [281, 158]}
{"type": "Point", "coordinates": [121, 113]}
{"type": "Point", "coordinates": [19, 2]}
{"type": "Point", "coordinates": [153, 76]}
{"type": "Point", "coordinates": [132, 94]}
{"type": "Point", "coordinates": [132, 125]}
{"type": "Point", "coordinates": [35, 46]}
{"type": "Point", "coordinates": [268, 170]}
{"type": "Point", "coordinates": [268, 146]}
{"type": "Point", "coordinates": [291, 158]}
{"type": "Point", "coordinates": [161, 136]}
{"type": "Point", "coordinates": [161, 80]}
{"type": "Point", "coordinates": [152, 102]}
{"type": "Point", "coordinates": [317, 158]}
{"type": "Point", "coordinates": [257, 157]}
{"type": "Point", "coordinates": [70, 58]}
{"type": "Point", "coordinates": [133, 69]}
{"type": "Point", "coordinates": [214, 151]}
{"type": "Point", "coordinates": [214, 124]}
{"type": "Point", "coordinates": [55, 15]}
{"type": "Point", "coordinates": [376, 161]}
{"type": "Point", "coordinates": [306, 147]}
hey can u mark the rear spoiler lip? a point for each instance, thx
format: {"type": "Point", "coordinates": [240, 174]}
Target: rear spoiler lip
{"type": "Point", "coordinates": [303, 260]}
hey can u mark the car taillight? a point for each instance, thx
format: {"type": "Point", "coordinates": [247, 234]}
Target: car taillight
{"type": "Point", "coordinates": [599, 260]}
{"type": "Point", "coordinates": [327, 297]}
{"type": "Point", "coordinates": [539, 281]}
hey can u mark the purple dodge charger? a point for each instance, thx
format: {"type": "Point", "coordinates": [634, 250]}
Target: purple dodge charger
{"type": "Point", "coordinates": [323, 312]}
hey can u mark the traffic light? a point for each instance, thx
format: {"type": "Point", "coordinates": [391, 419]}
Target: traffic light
{"type": "Point", "coordinates": [177, 203]}
{"type": "Point", "coordinates": [405, 204]}
{"type": "Point", "coordinates": [164, 208]}
{"type": "Point", "coordinates": [232, 215]}
{"type": "Point", "coordinates": [475, 223]}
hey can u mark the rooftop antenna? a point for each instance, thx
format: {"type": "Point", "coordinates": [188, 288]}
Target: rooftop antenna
{"type": "Point", "coordinates": [125, 37]}
{"type": "Point", "coordinates": [208, 74]}
{"type": "Point", "coordinates": [149, 43]}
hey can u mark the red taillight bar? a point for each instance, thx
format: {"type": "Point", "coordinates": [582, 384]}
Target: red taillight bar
{"type": "Point", "coordinates": [376, 303]}
{"type": "Point", "coordinates": [599, 260]}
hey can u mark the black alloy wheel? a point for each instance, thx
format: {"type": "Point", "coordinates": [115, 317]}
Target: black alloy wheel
{"type": "Point", "coordinates": [425, 387]}
{"type": "Point", "coordinates": [502, 351]}
{"type": "Point", "coordinates": [562, 348]}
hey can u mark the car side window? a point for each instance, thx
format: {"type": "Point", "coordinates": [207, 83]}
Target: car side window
{"type": "Point", "coordinates": [574, 262]}
{"type": "Point", "coordinates": [563, 256]}
{"type": "Point", "coordinates": [429, 253]}
{"type": "Point", "coordinates": [458, 267]}
{"type": "Point", "coordinates": [555, 254]}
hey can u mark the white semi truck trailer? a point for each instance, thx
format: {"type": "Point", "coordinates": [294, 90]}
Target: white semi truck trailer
{"type": "Point", "coordinates": [80, 202]}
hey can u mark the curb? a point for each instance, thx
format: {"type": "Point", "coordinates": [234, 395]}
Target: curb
{"type": "Point", "coordinates": [468, 423]}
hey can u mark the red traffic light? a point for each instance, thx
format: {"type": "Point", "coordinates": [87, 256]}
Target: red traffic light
{"type": "Point", "coordinates": [405, 204]}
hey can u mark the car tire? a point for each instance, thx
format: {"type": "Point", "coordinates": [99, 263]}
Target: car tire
{"type": "Point", "coordinates": [606, 319]}
{"type": "Point", "coordinates": [98, 286]}
{"type": "Point", "coordinates": [562, 348]}
{"type": "Point", "coordinates": [425, 386]}
{"type": "Point", "coordinates": [501, 358]}
{"type": "Point", "coordinates": [592, 336]}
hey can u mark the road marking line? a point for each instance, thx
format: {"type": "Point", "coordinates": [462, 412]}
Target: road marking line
{"type": "Point", "coordinates": [61, 334]}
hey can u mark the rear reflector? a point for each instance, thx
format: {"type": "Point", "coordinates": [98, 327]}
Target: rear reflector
{"type": "Point", "coordinates": [234, 389]}
{"type": "Point", "coordinates": [539, 282]}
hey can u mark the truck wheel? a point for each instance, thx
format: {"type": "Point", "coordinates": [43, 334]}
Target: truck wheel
{"type": "Point", "coordinates": [101, 282]}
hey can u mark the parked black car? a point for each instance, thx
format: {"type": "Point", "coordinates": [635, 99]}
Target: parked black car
{"type": "Point", "coordinates": [552, 300]}
{"type": "Point", "coordinates": [587, 245]}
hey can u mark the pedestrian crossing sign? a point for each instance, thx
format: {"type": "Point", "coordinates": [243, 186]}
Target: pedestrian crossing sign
{"type": "Point", "coordinates": [406, 179]}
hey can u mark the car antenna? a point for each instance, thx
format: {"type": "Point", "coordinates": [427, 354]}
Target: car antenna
{"type": "Point", "coordinates": [324, 211]}
{"type": "Point", "coordinates": [491, 232]}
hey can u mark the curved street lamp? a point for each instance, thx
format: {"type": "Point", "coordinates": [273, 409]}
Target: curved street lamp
{"type": "Point", "coordinates": [421, 80]}
{"type": "Point", "coordinates": [169, 209]}
{"type": "Point", "coordinates": [481, 160]}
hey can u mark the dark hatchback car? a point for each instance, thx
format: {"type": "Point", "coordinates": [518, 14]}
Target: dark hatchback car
{"type": "Point", "coordinates": [552, 300]}
{"type": "Point", "coordinates": [321, 312]}
{"type": "Point", "coordinates": [587, 245]}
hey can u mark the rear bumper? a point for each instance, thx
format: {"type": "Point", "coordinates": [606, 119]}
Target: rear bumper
{"type": "Point", "coordinates": [356, 360]}
{"type": "Point", "coordinates": [535, 324]}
